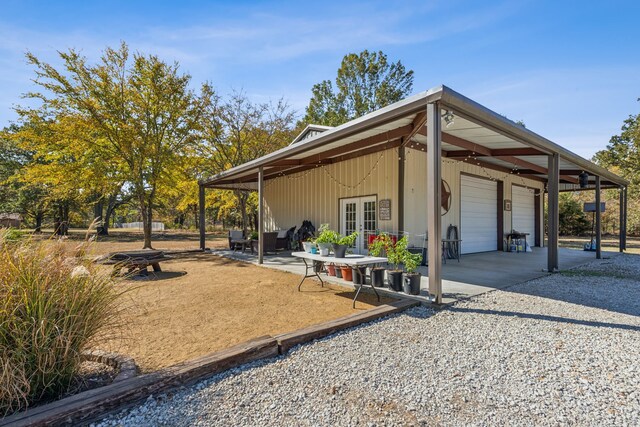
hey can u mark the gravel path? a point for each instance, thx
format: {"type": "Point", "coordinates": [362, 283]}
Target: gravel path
{"type": "Point", "coordinates": [559, 350]}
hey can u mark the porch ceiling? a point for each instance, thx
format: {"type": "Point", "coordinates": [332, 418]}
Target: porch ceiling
{"type": "Point", "coordinates": [475, 135]}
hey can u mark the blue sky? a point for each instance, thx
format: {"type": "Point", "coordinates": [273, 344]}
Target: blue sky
{"type": "Point", "coordinates": [569, 69]}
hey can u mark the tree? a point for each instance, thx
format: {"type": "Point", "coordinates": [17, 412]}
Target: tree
{"type": "Point", "coordinates": [622, 156]}
{"type": "Point", "coordinates": [573, 221]}
{"type": "Point", "coordinates": [238, 130]}
{"type": "Point", "coordinates": [140, 110]}
{"type": "Point", "coordinates": [365, 82]}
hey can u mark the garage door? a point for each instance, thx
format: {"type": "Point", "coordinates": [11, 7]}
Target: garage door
{"type": "Point", "coordinates": [479, 215]}
{"type": "Point", "coordinates": [523, 213]}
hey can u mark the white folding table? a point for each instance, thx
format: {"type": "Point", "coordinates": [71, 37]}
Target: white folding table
{"type": "Point", "coordinates": [359, 262]}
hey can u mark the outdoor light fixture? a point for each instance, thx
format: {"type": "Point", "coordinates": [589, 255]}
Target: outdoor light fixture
{"type": "Point", "coordinates": [583, 179]}
{"type": "Point", "coordinates": [448, 118]}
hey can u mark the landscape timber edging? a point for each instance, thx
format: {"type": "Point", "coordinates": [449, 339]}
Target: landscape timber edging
{"type": "Point", "coordinates": [290, 339]}
{"type": "Point", "coordinates": [82, 408]}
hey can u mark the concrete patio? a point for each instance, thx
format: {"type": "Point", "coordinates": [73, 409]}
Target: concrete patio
{"type": "Point", "coordinates": [473, 275]}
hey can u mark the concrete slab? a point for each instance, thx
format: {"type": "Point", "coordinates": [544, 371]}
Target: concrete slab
{"type": "Point", "coordinates": [475, 274]}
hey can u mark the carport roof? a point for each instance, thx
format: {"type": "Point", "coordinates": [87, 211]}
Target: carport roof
{"type": "Point", "coordinates": [470, 133]}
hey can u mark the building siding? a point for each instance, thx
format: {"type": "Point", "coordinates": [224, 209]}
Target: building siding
{"type": "Point", "coordinates": [315, 194]}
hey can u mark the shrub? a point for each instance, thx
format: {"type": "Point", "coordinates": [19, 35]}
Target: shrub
{"type": "Point", "coordinates": [52, 307]}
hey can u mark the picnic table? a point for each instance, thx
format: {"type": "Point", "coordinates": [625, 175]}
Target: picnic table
{"type": "Point", "coordinates": [359, 262]}
{"type": "Point", "coordinates": [134, 261]}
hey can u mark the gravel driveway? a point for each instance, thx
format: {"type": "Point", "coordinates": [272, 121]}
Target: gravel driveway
{"type": "Point", "coordinates": [559, 350]}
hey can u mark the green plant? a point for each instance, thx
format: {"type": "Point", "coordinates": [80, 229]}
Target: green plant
{"type": "Point", "coordinates": [379, 245]}
{"type": "Point", "coordinates": [396, 251]}
{"type": "Point", "coordinates": [327, 235]}
{"type": "Point", "coordinates": [347, 240]}
{"type": "Point", "coordinates": [52, 307]}
{"type": "Point", "coordinates": [411, 261]}
{"type": "Point", "coordinates": [254, 235]}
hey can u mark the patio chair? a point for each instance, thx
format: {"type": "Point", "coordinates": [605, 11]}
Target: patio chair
{"type": "Point", "coordinates": [284, 239]}
{"type": "Point", "coordinates": [270, 242]}
{"type": "Point", "coordinates": [235, 237]}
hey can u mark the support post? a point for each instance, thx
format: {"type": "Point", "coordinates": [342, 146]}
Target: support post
{"type": "Point", "coordinates": [553, 211]}
{"type": "Point", "coordinates": [621, 234]}
{"type": "Point", "coordinates": [260, 215]}
{"type": "Point", "coordinates": [401, 158]}
{"type": "Point", "coordinates": [598, 220]}
{"type": "Point", "coordinates": [626, 211]}
{"type": "Point", "coordinates": [202, 225]}
{"type": "Point", "coordinates": [434, 219]}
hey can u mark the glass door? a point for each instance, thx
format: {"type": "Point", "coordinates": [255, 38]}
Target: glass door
{"type": "Point", "coordinates": [359, 214]}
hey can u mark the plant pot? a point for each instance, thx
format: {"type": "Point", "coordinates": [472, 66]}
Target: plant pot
{"type": "Point", "coordinates": [318, 266]}
{"type": "Point", "coordinates": [314, 250]}
{"type": "Point", "coordinates": [377, 277]}
{"type": "Point", "coordinates": [346, 273]}
{"type": "Point", "coordinates": [307, 246]}
{"type": "Point", "coordinates": [331, 269]}
{"type": "Point", "coordinates": [339, 251]}
{"type": "Point", "coordinates": [395, 279]}
{"type": "Point", "coordinates": [338, 272]}
{"type": "Point", "coordinates": [411, 284]}
{"type": "Point", "coordinates": [324, 248]}
{"type": "Point", "coordinates": [358, 277]}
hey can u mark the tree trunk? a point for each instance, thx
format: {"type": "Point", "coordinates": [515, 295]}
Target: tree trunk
{"type": "Point", "coordinates": [39, 215]}
{"type": "Point", "coordinates": [242, 201]}
{"type": "Point", "coordinates": [146, 211]}
{"type": "Point", "coordinates": [196, 216]}
{"type": "Point", "coordinates": [102, 225]}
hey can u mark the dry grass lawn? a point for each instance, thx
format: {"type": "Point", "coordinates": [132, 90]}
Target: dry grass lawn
{"type": "Point", "coordinates": [203, 303]}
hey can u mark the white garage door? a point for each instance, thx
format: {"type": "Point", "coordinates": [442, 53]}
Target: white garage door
{"type": "Point", "coordinates": [523, 213]}
{"type": "Point", "coordinates": [479, 215]}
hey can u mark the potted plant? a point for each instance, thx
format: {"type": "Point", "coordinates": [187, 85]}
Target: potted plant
{"type": "Point", "coordinates": [378, 247]}
{"type": "Point", "coordinates": [343, 243]}
{"type": "Point", "coordinates": [331, 269]}
{"type": "Point", "coordinates": [325, 239]}
{"type": "Point", "coordinates": [395, 256]}
{"type": "Point", "coordinates": [307, 245]}
{"type": "Point", "coordinates": [347, 274]}
{"type": "Point", "coordinates": [411, 262]}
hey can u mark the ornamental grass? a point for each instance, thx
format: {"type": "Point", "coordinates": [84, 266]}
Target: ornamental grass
{"type": "Point", "coordinates": [53, 305]}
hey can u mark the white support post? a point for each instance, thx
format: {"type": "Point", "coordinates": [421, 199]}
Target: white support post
{"type": "Point", "coordinates": [434, 220]}
{"type": "Point", "coordinates": [553, 211]}
{"type": "Point", "coordinates": [260, 215]}
{"type": "Point", "coordinates": [598, 220]}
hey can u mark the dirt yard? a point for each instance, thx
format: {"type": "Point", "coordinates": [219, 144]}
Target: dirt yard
{"type": "Point", "coordinates": [609, 243]}
{"type": "Point", "coordinates": [202, 303]}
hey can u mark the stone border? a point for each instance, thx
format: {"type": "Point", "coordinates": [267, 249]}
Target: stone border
{"type": "Point", "coordinates": [125, 365]}
{"type": "Point", "coordinates": [82, 408]}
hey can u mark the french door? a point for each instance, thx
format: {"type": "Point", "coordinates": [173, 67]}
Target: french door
{"type": "Point", "coordinates": [359, 214]}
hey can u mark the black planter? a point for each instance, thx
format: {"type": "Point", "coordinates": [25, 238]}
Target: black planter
{"type": "Point", "coordinates": [411, 284]}
{"type": "Point", "coordinates": [395, 280]}
{"type": "Point", "coordinates": [358, 278]}
{"type": "Point", "coordinates": [377, 277]}
{"type": "Point", "coordinates": [339, 251]}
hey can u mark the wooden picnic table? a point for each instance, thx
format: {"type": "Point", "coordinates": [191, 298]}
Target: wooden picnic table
{"type": "Point", "coordinates": [359, 262]}
{"type": "Point", "coordinates": [134, 261]}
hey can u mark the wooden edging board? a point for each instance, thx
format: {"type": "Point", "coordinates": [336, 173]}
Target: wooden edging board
{"type": "Point", "coordinates": [84, 407]}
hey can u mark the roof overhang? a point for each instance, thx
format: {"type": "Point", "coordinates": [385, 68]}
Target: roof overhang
{"type": "Point", "coordinates": [476, 135]}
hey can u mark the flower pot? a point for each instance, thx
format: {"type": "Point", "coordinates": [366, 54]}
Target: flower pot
{"type": "Point", "coordinates": [346, 273]}
{"type": "Point", "coordinates": [338, 272]}
{"type": "Point", "coordinates": [318, 266]}
{"type": "Point", "coordinates": [411, 283]}
{"type": "Point", "coordinates": [395, 279]}
{"type": "Point", "coordinates": [377, 277]}
{"type": "Point", "coordinates": [314, 250]}
{"type": "Point", "coordinates": [358, 277]}
{"type": "Point", "coordinates": [307, 246]}
{"type": "Point", "coordinates": [331, 269]}
{"type": "Point", "coordinates": [324, 248]}
{"type": "Point", "coordinates": [339, 251]}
